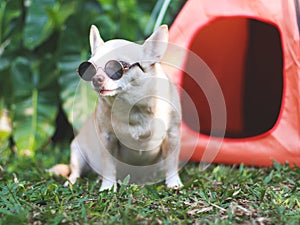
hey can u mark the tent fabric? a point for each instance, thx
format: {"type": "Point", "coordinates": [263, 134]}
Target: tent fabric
{"type": "Point", "coordinates": [229, 19]}
{"type": "Point", "coordinates": [297, 6]}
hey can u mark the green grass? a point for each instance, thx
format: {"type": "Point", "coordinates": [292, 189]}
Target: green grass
{"type": "Point", "coordinates": [218, 195]}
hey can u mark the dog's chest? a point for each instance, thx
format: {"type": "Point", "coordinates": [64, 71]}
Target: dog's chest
{"type": "Point", "coordinates": [140, 132]}
{"type": "Point", "coordinates": [140, 121]}
{"type": "Point", "coordinates": [143, 122]}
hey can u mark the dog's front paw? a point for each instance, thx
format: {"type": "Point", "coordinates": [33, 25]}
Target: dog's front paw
{"type": "Point", "coordinates": [108, 185]}
{"type": "Point", "coordinates": [174, 182]}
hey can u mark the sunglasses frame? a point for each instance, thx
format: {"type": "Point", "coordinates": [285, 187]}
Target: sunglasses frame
{"type": "Point", "coordinates": [123, 65]}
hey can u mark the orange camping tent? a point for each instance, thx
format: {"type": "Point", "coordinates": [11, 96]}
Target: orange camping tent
{"type": "Point", "coordinates": [252, 50]}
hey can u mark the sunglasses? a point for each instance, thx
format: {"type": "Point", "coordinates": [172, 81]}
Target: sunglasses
{"type": "Point", "coordinates": [113, 68]}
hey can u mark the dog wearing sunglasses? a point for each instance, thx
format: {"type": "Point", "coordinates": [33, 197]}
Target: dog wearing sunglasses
{"type": "Point", "coordinates": [135, 128]}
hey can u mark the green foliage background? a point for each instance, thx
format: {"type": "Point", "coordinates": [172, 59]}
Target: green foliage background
{"type": "Point", "coordinates": [42, 43]}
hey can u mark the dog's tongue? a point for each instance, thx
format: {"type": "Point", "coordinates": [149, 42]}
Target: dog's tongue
{"type": "Point", "coordinates": [102, 92]}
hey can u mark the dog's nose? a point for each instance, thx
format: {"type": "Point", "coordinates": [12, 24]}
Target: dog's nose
{"type": "Point", "coordinates": [98, 80]}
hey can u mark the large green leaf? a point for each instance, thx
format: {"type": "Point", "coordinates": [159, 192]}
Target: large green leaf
{"type": "Point", "coordinates": [9, 12]}
{"type": "Point", "coordinates": [78, 97]}
{"type": "Point", "coordinates": [10, 24]}
{"type": "Point", "coordinates": [35, 103]}
{"type": "Point", "coordinates": [38, 24]}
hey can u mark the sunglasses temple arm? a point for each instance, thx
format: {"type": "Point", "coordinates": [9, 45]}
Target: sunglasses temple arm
{"type": "Point", "coordinates": [136, 64]}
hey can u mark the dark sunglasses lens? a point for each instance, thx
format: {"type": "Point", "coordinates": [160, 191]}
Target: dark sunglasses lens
{"type": "Point", "coordinates": [86, 71]}
{"type": "Point", "coordinates": [114, 69]}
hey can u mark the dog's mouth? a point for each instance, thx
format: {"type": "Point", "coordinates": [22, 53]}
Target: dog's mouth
{"type": "Point", "coordinates": [106, 92]}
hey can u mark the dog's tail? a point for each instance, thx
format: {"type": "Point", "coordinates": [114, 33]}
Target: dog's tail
{"type": "Point", "coordinates": [60, 170]}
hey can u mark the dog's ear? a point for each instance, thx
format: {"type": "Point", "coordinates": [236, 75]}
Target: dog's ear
{"type": "Point", "coordinates": [95, 39]}
{"type": "Point", "coordinates": [155, 46]}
